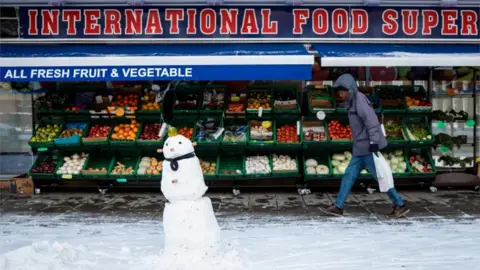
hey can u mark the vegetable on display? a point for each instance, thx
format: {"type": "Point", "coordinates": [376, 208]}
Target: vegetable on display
{"type": "Point", "coordinates": [121, 169]}
{"type": "Point", "coordinates": [257, 100]}
{"type": "Point", "coordinates": [313, 167]}
{"type": "Point", "coordinates": [257, 165]}
{"type": "Point", "coordinates": [283, 163]}
{"type": "Point", "coordinates": [314, 131]}
{"type": "Point", "coordinates": [287, 134]}
{"type": "Point", "coordinates": [285, 100]}
{"type": "Point", "coordinates": [208, 167]}
{"type": "Point", "coordinates": [450, 116]}
{"type": "Point", "coordinates": [419, 163]}
{"type": "Point", "coordinates": [461, 162]}
{"type": "Point", "coordinates": [320, 99]}
{"type": "Point", "coordinates": [208, 130]}
{"type": "Point", "coordinates": [394, 130]}
{"type": "Point", "coordinates": [73, 164]}
{"type": "Point", "coordinates": [448, 141]}
{"type": "Point", "coordinates": [150, 166]}
{"type": "Point", "coordinates": [213, 99]}
{"type": "Point", "coordinates": [235, 133]}
{"type": "Point", "coordinates": [186, 101]}
{"type": "Point", "coordinates": [396, 161]}
{"type": "Point", "coordinates": [261, 130]}
{"type": "Point", "coordinates": [340, 162]}
{"type": "Point", "coordinates": [236, 103]}
{"type": "Point", "coordinates": [418, 132]}
{"type": "Point", "coordinates": [337, 131]}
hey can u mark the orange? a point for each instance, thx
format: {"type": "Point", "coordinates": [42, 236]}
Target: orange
{"type": "Point", "coordinates": [116, 129]}
{"type": "Point", "coordinates": [135, 129]}
{"type": "Point", "coordinates": [134, 121]}
{"type": "Point", "coordinates": [120, 112]}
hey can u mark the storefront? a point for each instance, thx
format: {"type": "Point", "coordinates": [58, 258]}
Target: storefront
{"type": "Point", "coordinates": [106, 67]}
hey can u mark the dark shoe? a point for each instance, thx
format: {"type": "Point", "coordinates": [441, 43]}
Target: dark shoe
{"type": "Point", "coordinates": [398, 212]}
{"type": "Point", "coordinates": [333, 211]}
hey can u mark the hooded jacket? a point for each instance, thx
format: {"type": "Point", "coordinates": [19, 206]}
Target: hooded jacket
{"type": "Point", "coordinates": [363, 120]}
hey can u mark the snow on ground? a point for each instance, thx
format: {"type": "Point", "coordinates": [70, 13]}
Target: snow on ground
{"type": "Point", "coordinates": [46, 243]}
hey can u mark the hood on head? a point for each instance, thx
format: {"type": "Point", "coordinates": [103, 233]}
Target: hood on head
{"type": "Point", "coordinates": [347, 81]}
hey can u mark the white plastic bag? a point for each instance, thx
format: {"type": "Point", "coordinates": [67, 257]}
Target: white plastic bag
{"type": "Point", "coordinates": [384, 172]}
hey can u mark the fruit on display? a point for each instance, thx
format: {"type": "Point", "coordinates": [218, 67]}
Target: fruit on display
{"type": "Point", "coordinates": [285, 100]}
{"type": "Point", "coordinates": [69, 132]}
{"type": "Point", "coordinates": [283, 163]}
{"type": "Point", "coordinates": [213, 100]}
{"type": "Point", "coordinates": [121, 169]}
{"type": "Point", "coordinates": [150, 132]}
{"type": "Point", "coordinates": [47, 166]}
{"type": "Point", "coordinates": [45, 133]}
{"type": "Point", "coordinates": [208, 167]}
{"type": "Point", "coordinates": [76, 108]}
{"type": "Point", "coordinates": [394, 130]}
{"type": "Point", "coordinates": [313, 167]}
{"type": "Point", "coordinates": [338, 131]}
{"type": "Point", "coordinates": [125, 131]}
{"type": "Point", "coordinates": [130, 100]}
{"type": "Point", "coordinates": [148, 101]}
{"type": "Point", "coordinates": [257, 100]}
{"type": "Point", "coordinates": [208, 130]}
{"type": "Point", "coordinates": [418, 132]}
{"type": "Point", "coordinates": [186, 101]}
{"type": "Point", "coordinates": [340, 162]}
{"type": "Point", "coordinates": [73, 164]}
{"type": "Point", "coordinates": [235, 133]}
{"type": "Point", "coordinates": [419, 163]}
{"type": "Point", "coordinates": [396, 161]}
{"type": "Point", "coordinates": [257, 164]}
{"type": "Point", "coordinates": [150, 166]}
{"type": "Point", "coordinates": [187, 132]}
{"type": "Point", "coordinates": [261, 130]}
{"type": "Point", "coordinates": [98, 131]}
{"type": "Point", "coordinates": [95, 171]}
{"type": "Point", "coordinates": [415, 102]}
{"type": "Point", "coordinates": [287, 134]}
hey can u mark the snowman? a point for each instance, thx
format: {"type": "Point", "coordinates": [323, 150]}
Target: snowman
{"type": "Point", "coordinates": [190, 226]}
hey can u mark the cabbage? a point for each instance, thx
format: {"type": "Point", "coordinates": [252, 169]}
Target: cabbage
{"type": "Point", "coordinates": [348, 155]}
{"type": "Point", "coordinates": [394, 161]}
{"type": "Point", "coordinates": [398, 153]}
{"type": "Point", "coordinates": [402, 165]}
{"type": "Point", "coordinates": [339, 157]}
{"type": "Point", "coordinates": [342, 167]}
{"type": "Point", "coordinates": [335, 171]}
{"type": "Point", "coordinates": [364, 171]}
{"type": "Point", "coordinates": [335, 163]}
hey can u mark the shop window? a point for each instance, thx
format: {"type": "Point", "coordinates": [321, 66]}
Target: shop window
{"type": "Point", "coordinates": [9, 23]}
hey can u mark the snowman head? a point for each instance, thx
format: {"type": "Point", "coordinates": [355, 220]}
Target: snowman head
{"type": "Point", "coordinates": [177, 146]}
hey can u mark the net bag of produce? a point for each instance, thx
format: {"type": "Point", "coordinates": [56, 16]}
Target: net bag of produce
{"type": "Point", "coordinates": [384, 173]}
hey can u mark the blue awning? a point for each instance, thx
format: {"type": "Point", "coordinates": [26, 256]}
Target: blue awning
{"type": "Point", "coordinates": [95, 62]}
{"type": "Point", "coordinates": [410, 55]}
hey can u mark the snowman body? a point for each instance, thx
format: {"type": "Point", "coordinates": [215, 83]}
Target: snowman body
{"type": "Point", "coordinates": [190, 226]}
{"type": "Point", "coordinates": [185, 182]}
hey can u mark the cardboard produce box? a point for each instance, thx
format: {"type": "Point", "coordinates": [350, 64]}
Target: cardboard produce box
{"type": "Point", "coordinates": [22, 185]}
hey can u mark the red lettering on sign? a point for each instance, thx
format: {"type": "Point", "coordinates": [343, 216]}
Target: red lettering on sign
{"type": "Point", "coordinates": [50, 22]}
{"type": "Point", "coordinates": [191, 24]}
{"type": "Point", "coordinates": [320, 21]}
{"type": "Point", "coordinates": [133, 21]}
{"type": "Point", "coordinates": [32, 27]}
{"type": "Point", "coordinates": [154, 24]}
{"type": "Point", "coordinates": [228, 21]}
{"type": "Point", "coordinates": [430, 20]}
{"type": "Point", "coordinates": [249, 23]}
{"type": "Point", "coordinates": [91, 22]}
{"type": "Point", "coordinates": [390, 24]}
{"type": "Point", "coordinates": [469, 23]}
{"type": "Point", "coordinates": [174, 15]}
{"type": "Point", "coordinates": [410, 21]}
{"type": "Point", "coordinates": [340, 21]}
{"type": "Point", "coordinates": [112, 22]}
{"type": "Point", "coordinates": [71, 17]}
{"type": "Point", "coordinates": [448, 22]}
{"type": "Point", "coordinates": [268, 27]}
{"type": "Point", "coordinates": [359, 21]}
{"type": "Point", "coordinates": [208, 21]}
{"type": "Point", "coordinates": [300, 17]}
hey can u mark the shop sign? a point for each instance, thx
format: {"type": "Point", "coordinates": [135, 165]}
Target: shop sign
{"type": "Point", "coordinates": [275, 23]}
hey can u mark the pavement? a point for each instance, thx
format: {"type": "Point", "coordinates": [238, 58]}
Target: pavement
{"type": "Point", "coordinates": [449, 204]}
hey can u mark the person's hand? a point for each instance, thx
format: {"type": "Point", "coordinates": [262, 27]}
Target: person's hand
{"type": "Point", "coordinates": [373, 148]}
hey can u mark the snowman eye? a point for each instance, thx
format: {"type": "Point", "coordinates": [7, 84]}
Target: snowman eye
{"type": "Point", "coordinates": [179, 142]}
{"type": "Point", "coordinates": [166, 144]}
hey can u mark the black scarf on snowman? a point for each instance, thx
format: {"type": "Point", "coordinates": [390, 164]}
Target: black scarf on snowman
{"type": "Point", "coordinates": [174, 161]}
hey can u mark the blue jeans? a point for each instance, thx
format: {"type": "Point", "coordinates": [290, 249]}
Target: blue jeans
{"type": "Point", "coordinates": [357, 164]}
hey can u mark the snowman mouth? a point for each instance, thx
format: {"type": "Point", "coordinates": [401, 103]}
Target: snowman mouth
{"type": "Point", "coordinates": [174, 161]}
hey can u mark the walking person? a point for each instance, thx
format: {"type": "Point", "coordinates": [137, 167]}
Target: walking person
{"type": "Point", "coordinates": [368, 139]}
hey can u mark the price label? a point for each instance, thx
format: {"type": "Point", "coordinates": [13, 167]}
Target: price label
{"type": "Point", "coordinates": [444, 149]}
{"type": "Point", "coordinates": [42, 149]}
{"type": "Point", "coordinates": [440, 124]}
{"type": "Point", "coordinates": [122, 180]}
{"type": "Point", "coordinates": [67, 176]}
{"type": "Point", "coordinates": [470, 123]}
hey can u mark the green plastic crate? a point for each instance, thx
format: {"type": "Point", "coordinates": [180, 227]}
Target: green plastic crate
{"type": "Point", "coordinates": [279, 122]}
{"type": "Point", "coordinates": [382, 90]}
{"type": "Point", "coordinates": [258, 175]}
{"type": "Point", "coordinates": [70, 176]}
{"type": "Point", "coordinates": [41, 158]}
{"type": "Point", "coordinates": [231, 162]}
{"type": "Point", "coordinates": [285, 89]}
{"type": "Point", "coordinates": [235, 121]}
{"type": "Point", "coordinates": [424, 122]}
{"type": "Point", "coordinates": [97, 141]}
{"type": "Point", "coordinates": [181, 93]}
{"type": "Point", "coordinates": [149, 176]}
{"type": "Point", "coordinates": [419, 92]}
{"type": "Point", "coordinates": [98, 162]}
{"type": "Point", "coordinates": [326, 93]}
{"type": "Point", "coordinates": [218, 122]}
{"type": "Point", "coordinates": [321, 160]}
{"type": "Point", "coordinates": [428, 155]}
{"type": "Point", "coordinates": [405, 159]}
{"type": "Point", "coordinates": [122, 142]}
{"type": "Point", "coordinates": [292, 173]}
{"type": "Point", "coordinates": [306, 123]}
{"type": "Point", "coordinates": [218, 89]}
{"type": "Point", "coordinates": [253, 141]}
{"type": "Point", "coordinates": [399, 121]}
{"type": "Point", "coordinates": [71, 141]}
{"type": "Point", "coordinates": [180, 122]}
{"type": "Point", "coordinates": [343, 121]}
{"type": "Point", "coordinates": [49, 143]}
{"type": "Point", "coordinates": [263, 89]}
{"type": "Point", "coordinates": [207, 157]}
{"type": "Point", "coordinates": [157, 143]}
{"type": "Point", "coordinates": [128, 161]}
